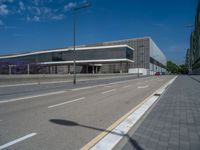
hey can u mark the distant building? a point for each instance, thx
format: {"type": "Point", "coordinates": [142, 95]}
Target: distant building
{"type": "Point", "coordinates": [193, 53]}
{"type": "Point", "coordinates": [139, 55]}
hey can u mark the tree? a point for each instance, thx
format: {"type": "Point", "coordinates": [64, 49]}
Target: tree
{"type": "Point", "coordinates": [172, 67]}
{"type": "Point", "coordinates": [183, 69]}
{"type": "Point", "coordinates": [176, 69]}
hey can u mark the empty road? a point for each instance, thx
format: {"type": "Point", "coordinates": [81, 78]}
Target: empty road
{"type": "Point", "coordinates": [62, 116]}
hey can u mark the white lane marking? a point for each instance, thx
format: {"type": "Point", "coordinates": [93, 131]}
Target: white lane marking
{"type": "Point", "coordinates": [59, 92]}
{"type": "Point", "coordinates": [108, 91]}
{"type": "Point", "coordinates": [67, 102]}
{"type": "Point", "coordinates": [52, 82]}
{"type": "Point", "coordinates": [143, 87]}
{"type": "Point", "coordinates": [30, 97]}
{"type": "Point", "coordinates": [108, 86]}
{"type": "Point", "coordinates": [22, 84]}
{"type": "Point", "coordinates": [127, 86]}
{"type": "Point", "coordinates": [17, 140]}
{"type": "Point", "coordinates": [109, 141]}
{"type": "Point", "coordinates": [83, 88]}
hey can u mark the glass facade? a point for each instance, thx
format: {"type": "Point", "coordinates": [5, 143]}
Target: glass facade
{"type": "Point", "coordinates": [68, 55]}
{"type": "Point", "coordinates": [144, 48]}
{"type": "Point", "coordinates": [193, 53]}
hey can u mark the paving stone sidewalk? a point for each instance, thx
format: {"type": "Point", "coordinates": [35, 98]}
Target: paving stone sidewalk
{"type": "Point", "coordinates": [174, 122]}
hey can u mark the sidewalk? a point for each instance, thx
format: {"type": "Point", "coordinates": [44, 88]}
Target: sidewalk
{"type": "Point", "coordinates": [174, 122]}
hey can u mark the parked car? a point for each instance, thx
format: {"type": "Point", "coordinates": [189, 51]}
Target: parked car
{"type": "Point", "coordinates": [157, 73]}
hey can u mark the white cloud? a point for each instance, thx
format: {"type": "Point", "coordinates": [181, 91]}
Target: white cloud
{"type": "Point", "coordinates": [34, 10]}
{"type": "Point", "coordinates": [21, 5]}
{"type": "Point", "coordinates": [57, 17]}
{"type": "Point", "coordinates": [36, 18]}
{"type": "Point", "coordinates": [1, 23]}
{"type": "Point", "coordinates": [36, 2]}
{"type": "Point", "coordinates": [5, 1]}
{"type": "Point", "coordinates": [3, 9]}
{"type": "Point", "coordinates": [69, 6]}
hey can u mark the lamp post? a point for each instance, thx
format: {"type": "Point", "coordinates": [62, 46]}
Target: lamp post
{"type": "Point", "coordinates": [75, 9]}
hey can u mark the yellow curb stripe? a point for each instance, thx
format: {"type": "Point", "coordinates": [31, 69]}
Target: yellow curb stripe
{"type": "Point", "coordinates": [104, 133]}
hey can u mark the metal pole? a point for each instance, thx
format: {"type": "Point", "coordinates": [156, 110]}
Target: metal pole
{"type": "Point", "coordinates": [138, 75]}
{"type": "Point", "coordinates": [10, 69]}
{"type": "Point", "coordinates": [28, 69]}
{"type": "Point", "coordinates": [74, 24]}
{"type": "Point", "coordinates": [120, 67]}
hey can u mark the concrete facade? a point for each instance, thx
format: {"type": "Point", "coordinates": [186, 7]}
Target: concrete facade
{"type": "Point", "coordinates": [193, 53]}
{"type": "Point", "coordinates": [148, 58]}
{"type": "Point", "coordinates": [137, 56]}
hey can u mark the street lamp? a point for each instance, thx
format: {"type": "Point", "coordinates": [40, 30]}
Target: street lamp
{"type": "Point", "coordinates": [75, 9]}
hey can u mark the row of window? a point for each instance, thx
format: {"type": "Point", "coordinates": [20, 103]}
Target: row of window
{"type": "Point", "coordinates": [94, 54]}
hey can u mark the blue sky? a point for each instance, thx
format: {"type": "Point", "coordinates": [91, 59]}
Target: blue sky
{"type": "Point", "coordinates": [27, 25]}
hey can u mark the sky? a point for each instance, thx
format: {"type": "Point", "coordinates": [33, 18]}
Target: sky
{"type": "Point", "coordinates": [28, 25]}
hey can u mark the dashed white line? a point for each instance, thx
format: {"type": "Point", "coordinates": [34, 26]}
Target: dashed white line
{"type": "Point", "coordinates": [108, 91]}
{"type": "Point", "coordinates": [83, 88]}
{"type": "Point", "coordinates": [127, 86]}
{"type": "Point", "coordinates": [100, 85]}
{"type": "Point", "coordinates": [108, 86]}
{"type": "Point", "coordinates": [29, 97]}
{"type": "Point", "coordinates": [79, 99]}
{"type": "Point", "coordinates": [143, 87]}
{"type": "Point", "coordinates": [59, 92]}
{"type": "Point", "coordinates": [17, 140]}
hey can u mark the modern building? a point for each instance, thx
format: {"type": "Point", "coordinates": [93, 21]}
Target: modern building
{"type": "Point", "coordinates": [139, 55]}
{"type": "Point", "coordinates": [147, 57]}
{"type": "Point", "coordinates": [193, 53]}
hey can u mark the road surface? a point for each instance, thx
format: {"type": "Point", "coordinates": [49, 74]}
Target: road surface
{"type": "Point", "coordinates": [61, 116]}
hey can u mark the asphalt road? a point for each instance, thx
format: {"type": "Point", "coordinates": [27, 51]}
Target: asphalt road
{"type": "Point", "coordinates": [71, 118]}
{"type": "Point", "coordinates": [13, 91]}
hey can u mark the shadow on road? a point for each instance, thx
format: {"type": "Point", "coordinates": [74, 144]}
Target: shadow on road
{"type": "Point", "coordinates": [71, 123]}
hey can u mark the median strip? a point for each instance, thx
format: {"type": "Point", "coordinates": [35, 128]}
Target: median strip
{"type": "Point", "coordinates": [71, 101]}
{"type": "Point", "coordinates": [17, 140]}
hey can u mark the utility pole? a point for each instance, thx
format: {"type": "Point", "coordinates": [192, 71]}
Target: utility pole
{"type": "Point", "coordinates": [75, 9]}
{"type": "Point", "coordinates": [28, 69]}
